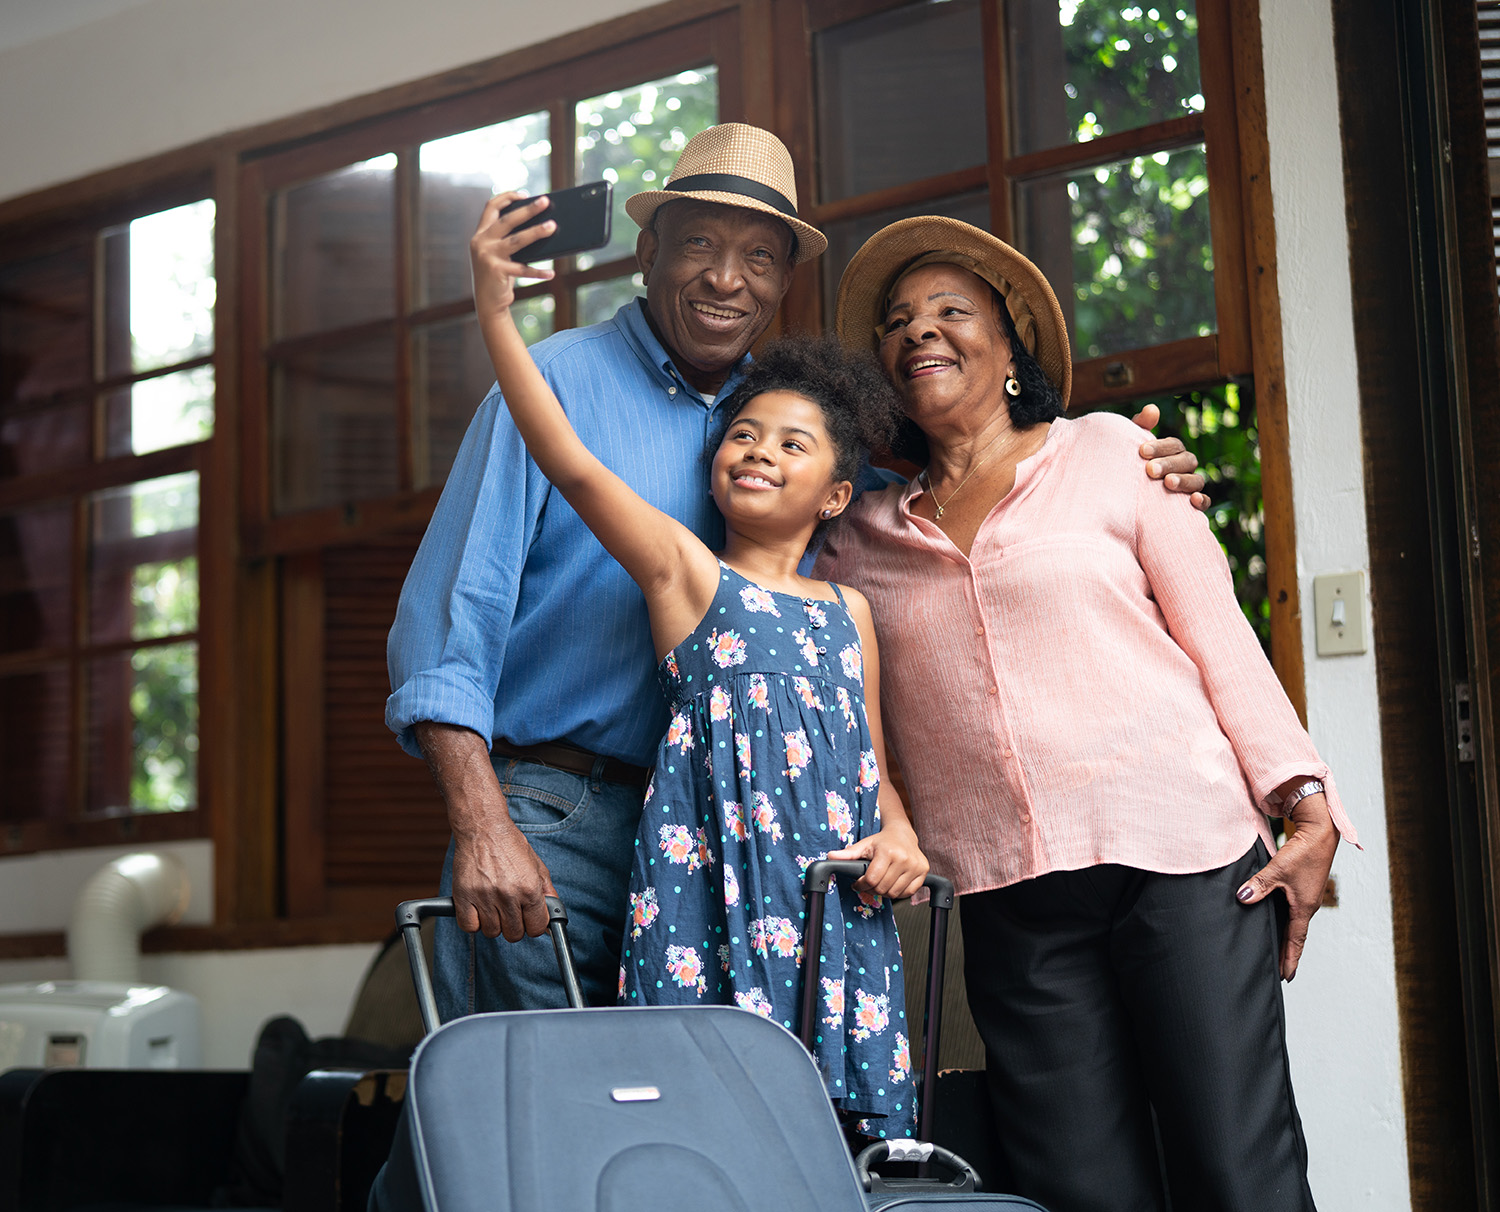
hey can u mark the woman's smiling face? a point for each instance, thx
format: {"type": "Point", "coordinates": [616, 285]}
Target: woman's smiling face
{"type": "Point", "coordinates": [942, 344]}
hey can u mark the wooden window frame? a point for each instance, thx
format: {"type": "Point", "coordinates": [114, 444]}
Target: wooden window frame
{"type": "Point", "coordinates": [35, 226]}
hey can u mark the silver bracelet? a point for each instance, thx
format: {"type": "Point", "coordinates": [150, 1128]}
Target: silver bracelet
{"type": "Point", "coordinates": [1298, 794]}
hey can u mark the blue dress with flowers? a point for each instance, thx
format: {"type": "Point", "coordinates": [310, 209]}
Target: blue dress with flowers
{"type": "Point", "coordinates": [768, 765]}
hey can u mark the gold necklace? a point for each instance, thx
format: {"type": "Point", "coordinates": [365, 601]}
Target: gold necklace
{"type": "Point", "coordinates": [927, 475]}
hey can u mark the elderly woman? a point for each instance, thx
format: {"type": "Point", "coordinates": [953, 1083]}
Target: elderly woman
{"type": "Point", "coordinates": [1092, 740]}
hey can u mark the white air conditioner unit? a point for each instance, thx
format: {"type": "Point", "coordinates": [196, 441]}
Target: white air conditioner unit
{"type": "Point", "coordinates": [97, 1024]}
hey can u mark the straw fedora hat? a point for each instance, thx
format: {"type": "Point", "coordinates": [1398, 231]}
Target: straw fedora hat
{"type": "Point", "coordinates": [737, 165]}
{"type": "Point", "coordinates": [929, 239]}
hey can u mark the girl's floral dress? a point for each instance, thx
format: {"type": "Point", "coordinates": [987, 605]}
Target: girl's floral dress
{"type": "Point", "coordinates": [766, 766]}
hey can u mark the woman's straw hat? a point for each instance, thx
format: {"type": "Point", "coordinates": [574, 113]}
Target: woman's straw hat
{"type": "Point", "coordinates": [738, 165]}
{"type": "Point", "coordinates": [930, 239]}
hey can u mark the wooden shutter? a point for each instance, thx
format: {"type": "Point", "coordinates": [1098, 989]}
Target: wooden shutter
{"type": "Point", "coordinates": [365, 824]}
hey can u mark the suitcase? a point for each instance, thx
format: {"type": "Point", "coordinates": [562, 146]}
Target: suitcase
{"type": "Point", "coordinates": [921, 1190]}
{"type": "Point", "coordinates": [624, 1108]}
{"type": "Point", "coordinates": [676, 1109]}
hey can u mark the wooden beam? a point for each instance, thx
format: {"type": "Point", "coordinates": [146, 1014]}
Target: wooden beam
{"type": "Point", "coordinates": [1268, 358]}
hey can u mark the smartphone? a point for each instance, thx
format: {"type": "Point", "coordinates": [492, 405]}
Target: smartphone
{"type": "Point", "coordinates": [582, 215]}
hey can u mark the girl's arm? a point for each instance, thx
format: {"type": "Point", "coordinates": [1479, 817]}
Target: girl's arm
{"type": "Point", "coordinates": [897, 864]}
{"type": "Point", "coordinates": [674, 569]}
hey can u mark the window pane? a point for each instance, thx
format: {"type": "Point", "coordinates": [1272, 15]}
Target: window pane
{"type": "Point", "coordinates": [333, 244]}
{"type": "Point", "coordinates": [143, 577]}
{"type": "Point", "coordinates": [333, 425]}
{"type": "Point", "coordinates": [35, 439]}
{"type": "Point", "coordinates": [45, 310]}
{"type": "Point", "coordinates": [600, 300]}
{"type": "Point", "coordinates": [36, 579]}
{"type": "Point", "coordinates": [167, 298]}
{"type": "Point", "coordinates": [882, 121]}
{"type": "Point", "coordinates": [1085, 68]}
{"type": "Point", "coordinates": [154, 414]}
{"type": "Point", "coordinates": [1142, 252]}
{"type": "Point", "coordinates": [34, 753]}
{"type": "Point", "coordinates": [633, 137]}
{"type": "Point", "coordinates": [845, 236]}
{"type": "Point", "coordinates": [459, 175]}
{"type": "Point", "coordinates": [143, 730]}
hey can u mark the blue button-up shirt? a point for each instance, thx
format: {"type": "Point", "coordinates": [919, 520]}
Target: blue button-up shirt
{"type": "Point", "coordinates": [514, 621]}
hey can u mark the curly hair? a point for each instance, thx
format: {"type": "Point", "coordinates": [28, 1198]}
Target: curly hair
{"type": "Point", "coordinates": [860, 407]}
{"type": "Point", "coordinates": [1039, 401]}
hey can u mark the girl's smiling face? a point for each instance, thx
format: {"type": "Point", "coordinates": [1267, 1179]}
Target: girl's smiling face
{"type": "Point", "coordinates": [775, 464]}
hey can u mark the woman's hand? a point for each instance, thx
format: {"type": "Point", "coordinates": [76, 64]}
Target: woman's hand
{"type": "Point", "coordinates": [897, 864]}
{"type": "Point", "coordinates": [1300, 869]}
{"type": "Point", "coordinates": [493, 248]}
{"type": "Point", "coordinates": [1171, 462]}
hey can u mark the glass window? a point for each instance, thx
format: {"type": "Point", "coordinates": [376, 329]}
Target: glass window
{"type": "Point", "coordinates": [333, 242]}
{"type": "Point", "coordinates": [459, 175]}
{"type": "Point", "coordinates": [881, 119]}
{"type": "Point", "coordinates": [1142, 249]}
{"type": "Point", "coordinates": [333, 424]}
{"type": "Point", "coordinates": [633, 138]}
{"type": "Point", "coordinates": [1087, 68]}
{"type": "Point", "coordinates": [108, 356]}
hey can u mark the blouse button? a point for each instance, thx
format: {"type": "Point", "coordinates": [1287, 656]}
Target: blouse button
{"type": "Point", "coordinates": [979, 631]}
{"type": "Point", "coordinates": [994, 690]}
{"type": "Point", "coordinates": [1026, 818]}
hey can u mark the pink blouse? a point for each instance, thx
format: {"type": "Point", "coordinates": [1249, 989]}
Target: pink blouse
{"type": "Point", "coordinates": [1083, 688]}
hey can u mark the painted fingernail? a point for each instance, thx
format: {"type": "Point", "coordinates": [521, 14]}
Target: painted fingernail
{"type": "Point", "coordinates": [1244, 894]}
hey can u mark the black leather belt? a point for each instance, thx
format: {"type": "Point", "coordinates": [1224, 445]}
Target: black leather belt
{"type": "Point", "coordinates": [562, 756]}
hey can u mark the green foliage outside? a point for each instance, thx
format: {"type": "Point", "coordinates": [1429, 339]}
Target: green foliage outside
{"type": "Point", "coordinates": [1218, 425]}
{"type": "Point", "coordinates": [1130, 65]}
{"type": "Point", "coordinates": [164, 707]}
{"type": "Point", "coordinates": [1142, 248]}
{"type": "Point", "coordinates": [633, 138]}
{"type": "Point", "coordinates": [164, 682]}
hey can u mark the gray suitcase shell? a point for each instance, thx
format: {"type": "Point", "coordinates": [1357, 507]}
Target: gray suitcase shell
{"type": "Point", "coordinates": [675, 1109]}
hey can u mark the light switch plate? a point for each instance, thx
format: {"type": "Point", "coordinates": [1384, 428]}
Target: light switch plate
{"type": "Point", "coordinates": [1339, 611]}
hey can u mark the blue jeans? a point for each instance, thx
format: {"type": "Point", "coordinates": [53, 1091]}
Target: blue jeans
{"type": "Point", "coordinates": [584, 830]}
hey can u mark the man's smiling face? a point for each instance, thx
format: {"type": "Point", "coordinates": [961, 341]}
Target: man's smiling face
{"type": "Point", "coordinates": [715, 276]}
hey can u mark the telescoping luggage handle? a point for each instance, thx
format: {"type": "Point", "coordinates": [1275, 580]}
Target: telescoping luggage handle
{"type": "Point", "coordinates": [816, 883]}
{"type": "Point", "coordinates": [411, 914]}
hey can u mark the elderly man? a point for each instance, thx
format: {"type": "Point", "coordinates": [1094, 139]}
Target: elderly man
{"type": "Point", "coordinates": [521, 659]}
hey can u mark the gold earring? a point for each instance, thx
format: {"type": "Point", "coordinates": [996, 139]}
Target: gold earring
{"type": "Point", "coordinates": [1012, 385]}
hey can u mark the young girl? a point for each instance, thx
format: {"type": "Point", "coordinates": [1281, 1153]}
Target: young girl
{"type": "Point", "coordinates": [772, 758]}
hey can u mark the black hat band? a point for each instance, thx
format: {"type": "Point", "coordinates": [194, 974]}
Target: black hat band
{"type": "Point", "coordinates": [733, 183]}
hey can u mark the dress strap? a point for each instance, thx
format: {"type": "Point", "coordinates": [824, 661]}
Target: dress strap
{"type": "Point", "coordinates": [838, 593]}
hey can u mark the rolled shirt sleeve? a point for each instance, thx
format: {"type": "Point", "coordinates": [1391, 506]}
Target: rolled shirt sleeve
{"type": "Point", "coordinates": [453, 624]}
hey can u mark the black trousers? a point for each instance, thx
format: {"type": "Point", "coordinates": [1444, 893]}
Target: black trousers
{"type": "Point", "coordinates": [1104, 993]}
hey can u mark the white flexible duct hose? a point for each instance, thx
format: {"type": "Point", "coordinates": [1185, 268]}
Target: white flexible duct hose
{"type": "Point", "coordinates": [121, 899]}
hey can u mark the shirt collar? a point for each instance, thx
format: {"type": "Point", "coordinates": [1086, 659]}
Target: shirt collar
{"type": "Point", "coordinates": [632, 322]}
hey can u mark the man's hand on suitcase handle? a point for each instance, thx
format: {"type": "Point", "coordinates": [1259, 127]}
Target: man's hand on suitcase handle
{"type": "Point", "coordinates": [500, 886]}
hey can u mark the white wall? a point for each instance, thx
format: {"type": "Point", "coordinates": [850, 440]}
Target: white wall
{"type": "Point", "coordinates": [163, 73]}
{"type": "Point", "coordinates": [1341, 1009]}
